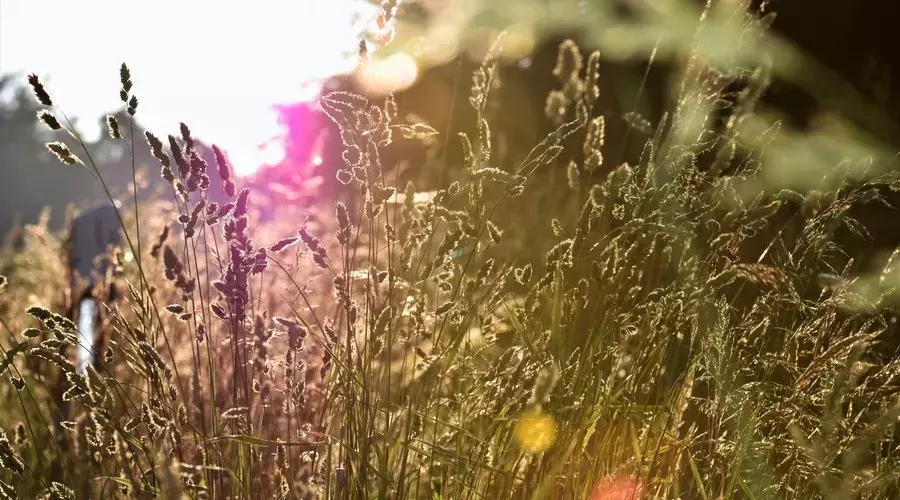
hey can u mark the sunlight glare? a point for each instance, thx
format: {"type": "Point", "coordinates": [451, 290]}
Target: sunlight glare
{"type": "Point", "coordinates": [241, 59]}
{"type": "Point", "coordinates": [393, 73]}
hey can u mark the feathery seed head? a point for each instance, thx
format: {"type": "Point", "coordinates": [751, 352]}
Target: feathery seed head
{"type": "Point", "coordinates": [568, 61]}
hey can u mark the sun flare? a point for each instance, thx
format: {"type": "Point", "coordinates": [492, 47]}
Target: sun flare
{"type": "Point", "coordinates": [244, 59]}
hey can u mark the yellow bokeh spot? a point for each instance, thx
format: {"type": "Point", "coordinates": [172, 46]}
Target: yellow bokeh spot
{"type": "Point", "coordinates": [535, 431]}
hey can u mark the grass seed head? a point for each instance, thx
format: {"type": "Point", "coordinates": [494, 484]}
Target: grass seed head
{"type": "Point", "coordinates": [112, 126]}
{"type": "Point", "coordinates": [39, 92]}
{"type": "Point", "coordinates": [48, 119]}
{"type": "Point", "coordinates": [62, 152]}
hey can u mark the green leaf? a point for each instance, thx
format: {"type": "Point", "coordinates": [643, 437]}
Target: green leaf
{"type": "Point", "coordinates": [697, 479]}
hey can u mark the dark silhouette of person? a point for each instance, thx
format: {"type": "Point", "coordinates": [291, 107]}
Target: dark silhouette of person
{"type": "Point", "coordinates": [93, 232]}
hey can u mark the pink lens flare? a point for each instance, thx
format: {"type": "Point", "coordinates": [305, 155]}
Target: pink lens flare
{"type": "Point", "coordinates": [619, 488]}
{"type": "Point", "coordinates": [300, 155]}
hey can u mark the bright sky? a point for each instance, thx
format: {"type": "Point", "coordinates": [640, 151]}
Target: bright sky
{"type": "Point", "coordinates": [217, 65]}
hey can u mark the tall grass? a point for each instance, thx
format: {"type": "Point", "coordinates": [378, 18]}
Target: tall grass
{"type": "Point", "coordinates": [685, 334]}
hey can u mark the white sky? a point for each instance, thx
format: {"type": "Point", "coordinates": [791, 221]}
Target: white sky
{"type": "Point", "coordinates": [217, 65]}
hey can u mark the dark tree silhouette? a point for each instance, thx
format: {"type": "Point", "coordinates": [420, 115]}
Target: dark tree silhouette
{"type": "Point", "coordinates": [33, 179]}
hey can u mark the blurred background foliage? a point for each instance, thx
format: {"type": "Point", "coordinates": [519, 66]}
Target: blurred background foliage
{"type": "Point", "coordinates": [827, 65]}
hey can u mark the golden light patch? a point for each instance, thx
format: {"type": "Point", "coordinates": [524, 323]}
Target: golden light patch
{"type": "Point", "coordinates": [535, 431]}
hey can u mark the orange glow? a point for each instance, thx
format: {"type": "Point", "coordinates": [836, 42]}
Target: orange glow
{"type": "Point", "coordinates": [619, 488]}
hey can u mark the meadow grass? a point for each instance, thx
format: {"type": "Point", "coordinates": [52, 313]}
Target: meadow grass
{"type": "Point", "coordinates": [683, 332]}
